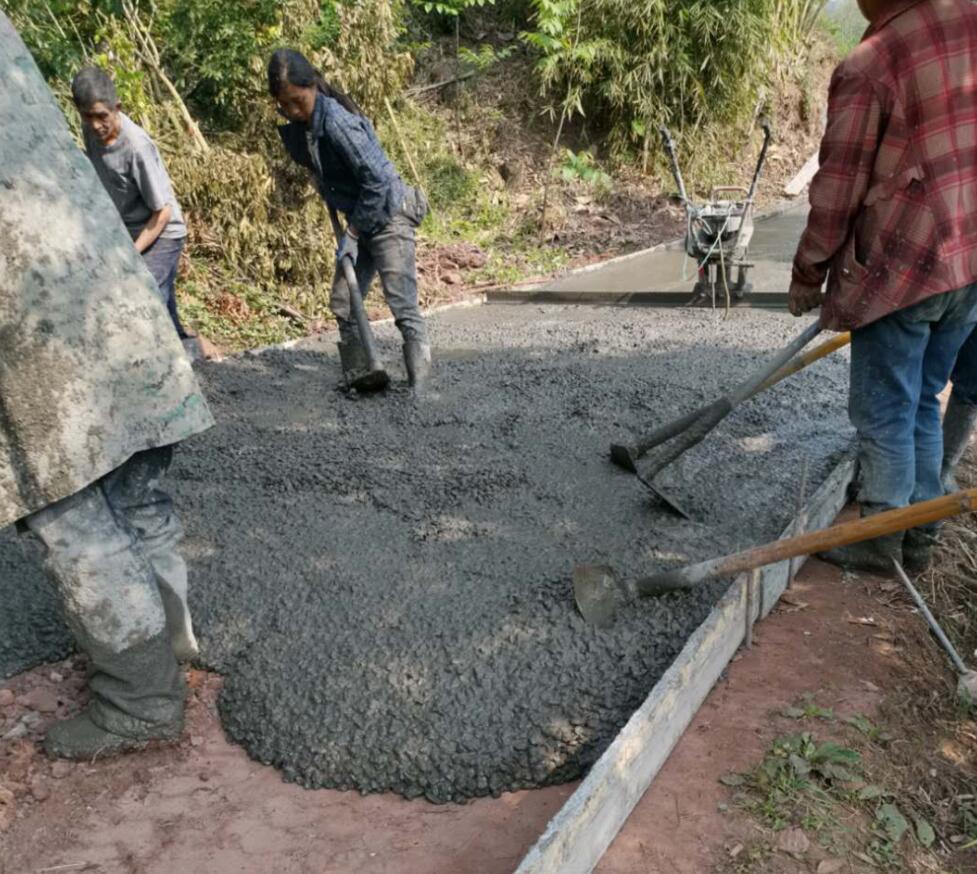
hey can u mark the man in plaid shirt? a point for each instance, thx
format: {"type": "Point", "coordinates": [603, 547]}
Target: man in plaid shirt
{"type": "Point", "coordinates": [893, 229]}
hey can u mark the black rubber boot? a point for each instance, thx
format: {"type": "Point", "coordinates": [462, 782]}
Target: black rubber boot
{"type": "Point", "coordinates": [417, 359]}
{"type": "Point", "coordinates": [137, 696]}
{"type": "Point", "coordinates": [356, 368]}
{"type": "Point", "coordinates": [918, 548]}
{"type": "Point", "coordinates": [875, 556]}
{"type": "Point", "coordinates": [959, 423]}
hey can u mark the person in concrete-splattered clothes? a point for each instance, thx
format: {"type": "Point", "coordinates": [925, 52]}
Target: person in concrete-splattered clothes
{"type": "Point", "coordinates": [95, 390]}
{"type": "Point", "coordinates": [893, 227]}
{"type": "Point", "coordinates": [329, 135]}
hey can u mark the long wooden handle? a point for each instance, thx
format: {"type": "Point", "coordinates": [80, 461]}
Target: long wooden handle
{"type": "Point", "coordinates": [837, 342]}
{"type": "Point", "coordinates": [770, 376]}
{"type": "Point", "coordinates": [868, 528]}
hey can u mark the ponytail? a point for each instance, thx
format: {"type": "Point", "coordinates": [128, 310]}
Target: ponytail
{"type": "Point", "coordinates": [288, 65]}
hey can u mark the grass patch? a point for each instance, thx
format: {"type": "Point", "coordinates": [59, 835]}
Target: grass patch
{"type": "Point", "coordinates": [823, 786]}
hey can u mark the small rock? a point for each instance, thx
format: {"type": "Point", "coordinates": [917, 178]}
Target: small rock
{"type": "Point", "coordinates": [6, 697]}
{"type": "Point", "coordinates": [8, 808]}
{"type": "Point", "coordinates": [196, 741]}
{"type": "Point", "coordinates": [794, 842]}
{"type": "Point", "coordinates": [39, 789]}
{"type": "Point", "coordinates": [61, 769]}
{"type": "Point", "coordinates": [830, 866]}
{"type": "Point", "coordinates": [56, 677]}
{"type": "Point", "coordinates": [42, 700]}
{"type": "Point", "coordinates": [451, 278]}
{"type": "Point", "coordinates": [18, 731]}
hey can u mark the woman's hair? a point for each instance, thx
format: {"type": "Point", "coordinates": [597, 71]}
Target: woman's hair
{"type": "Point", "coordinates": [288, 65]}
{"type": "Point", "coordinates": [93, 85]}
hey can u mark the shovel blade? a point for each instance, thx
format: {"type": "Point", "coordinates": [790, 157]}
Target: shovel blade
{"type": "Point", "coordinates": [664, 499]}
{"type": "Point", "coordinates": [370, 381]}
{"type": "Point", "coordinates": [597, 593]}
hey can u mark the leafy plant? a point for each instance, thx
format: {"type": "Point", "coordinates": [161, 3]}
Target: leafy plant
{"type": "Point", "coordinates": [484, 56]}
{"type": "Point", "coordinates": [581, 165]}
{"type": "Point", "coordinates": [215, 52]}
{"type": "Point", "coordinates": [450, 8]}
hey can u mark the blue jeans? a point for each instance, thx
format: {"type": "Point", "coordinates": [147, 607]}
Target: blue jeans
{"type": "Point", "coordinates": [899, 365]}
{"type": "Point", "coordinates": [163, 260]}
{"type": "Point", "coordinates": [964, 376]}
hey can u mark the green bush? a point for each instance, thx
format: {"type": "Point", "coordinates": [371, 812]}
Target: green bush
{"type": "Point", "coordinates": [696, 65]}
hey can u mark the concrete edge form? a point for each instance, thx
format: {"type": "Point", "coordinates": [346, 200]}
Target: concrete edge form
{"type": "Point", "coordinates": [761, 300]}
{"type": "Point", "coordinates": [582, 830]}
{"type": "Point", "coordinates": [473, 300]}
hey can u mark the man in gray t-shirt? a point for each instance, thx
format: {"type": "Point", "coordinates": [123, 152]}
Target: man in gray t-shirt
{"type": "Point", "coordinates": [131, 170]}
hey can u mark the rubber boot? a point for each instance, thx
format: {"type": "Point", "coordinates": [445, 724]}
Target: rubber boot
{"type": "Point", "coordinates": [137, 695]}
{"type": "Point", "coordinates": [918, 548]}
{"type": "Point", "coordinates": [417, 359]}
{"type": "Point", "coordinates": [356, 368]}
{"type": "Point", "coordinates": [874, 556]}
{"type": "Point", "coordinates": [959, 423]}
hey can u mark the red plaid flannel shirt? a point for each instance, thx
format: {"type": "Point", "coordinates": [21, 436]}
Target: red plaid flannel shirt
{"type": "Point", "coordinates": [894, 206]}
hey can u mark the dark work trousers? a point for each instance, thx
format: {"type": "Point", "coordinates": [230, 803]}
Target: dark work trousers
{"type": "Point", "coordinates": [389, 252]}
{"type": "Point", "coordinates": [964, 376]}
{"type": "Point", "coordinates": [163, 260]}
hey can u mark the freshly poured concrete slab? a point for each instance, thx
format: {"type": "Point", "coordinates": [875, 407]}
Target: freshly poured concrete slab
{"type": "Point", "coordinates": [666, 275]}
{"type": "Point", "coordinates": [385, 584]}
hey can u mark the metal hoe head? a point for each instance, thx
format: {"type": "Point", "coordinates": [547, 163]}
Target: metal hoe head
{"type": "Point", "coordinates": [625, 457]}
{"type": "Point", "coordinates": [598, 594]}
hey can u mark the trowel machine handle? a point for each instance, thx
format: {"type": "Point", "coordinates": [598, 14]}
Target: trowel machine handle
{"type": "Point", "coordinates": [672, 153]}
{"type": "Point", "coordinates": [767, 135]}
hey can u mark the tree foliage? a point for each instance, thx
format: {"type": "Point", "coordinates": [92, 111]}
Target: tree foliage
{"type": "Point", "coordinates": [691, 64]}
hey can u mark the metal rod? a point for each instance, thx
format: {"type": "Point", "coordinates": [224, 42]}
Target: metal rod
{"type": "Point", "coordinates": [752, 581]}
{"type": "Point", "coordinates": [673, 159]}
{"type": "Point", "coordinates": [933, 624]}
{"type": "Point", "coordinates": [801, 517]}
{"type": "Point", "coordinates": [760, 163]}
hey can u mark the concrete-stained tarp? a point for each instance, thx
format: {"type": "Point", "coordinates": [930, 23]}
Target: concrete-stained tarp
{"type": "Point", "coordinates": [91, 369]}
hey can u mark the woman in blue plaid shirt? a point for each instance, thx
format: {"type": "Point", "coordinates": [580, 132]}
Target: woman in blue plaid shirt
{"type": "Point", "coordinates": [329, 134]}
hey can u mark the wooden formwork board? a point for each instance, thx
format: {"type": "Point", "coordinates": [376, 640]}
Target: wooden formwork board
{"type": "Point", "coordinates": [588, 822]}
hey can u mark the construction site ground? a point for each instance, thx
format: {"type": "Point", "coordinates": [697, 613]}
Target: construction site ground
{"type": "Point", "coordinates": [203, 805]}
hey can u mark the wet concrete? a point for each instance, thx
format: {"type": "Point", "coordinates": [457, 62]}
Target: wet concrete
{"type": "Point", "coordinates": [386, 585]}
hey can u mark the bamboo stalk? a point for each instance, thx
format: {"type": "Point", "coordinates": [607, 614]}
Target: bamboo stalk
{"type": "Point", "coordinates": [403, 142]}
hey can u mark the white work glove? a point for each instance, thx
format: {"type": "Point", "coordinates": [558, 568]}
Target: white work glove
{"type": "Point", "coordinates": [348, 248]}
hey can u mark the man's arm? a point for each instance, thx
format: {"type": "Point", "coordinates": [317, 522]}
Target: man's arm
{"type": "Point", "coordinates": [856, 118]}
{"type": "Point", "coordinates": [154, 227]}
{"type": "Point", "coordinates": [156, 191]}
